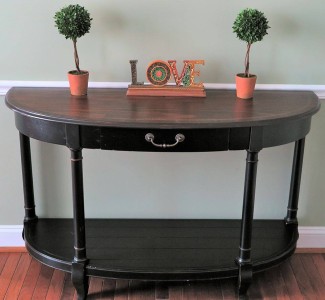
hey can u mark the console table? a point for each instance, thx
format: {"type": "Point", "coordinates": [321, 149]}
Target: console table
{"type": "Point", "coordinates": [164, 249]}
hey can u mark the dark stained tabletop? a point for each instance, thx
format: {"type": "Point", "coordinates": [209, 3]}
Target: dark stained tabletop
{"type": "Point", "coordinates": [112, 108]}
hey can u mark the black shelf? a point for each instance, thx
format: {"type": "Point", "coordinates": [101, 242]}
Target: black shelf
{"type": "Point", "coordinates": [160, 249]}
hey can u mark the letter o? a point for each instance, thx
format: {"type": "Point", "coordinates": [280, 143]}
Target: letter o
{"type": "Point", "coordinates": [158, 72]}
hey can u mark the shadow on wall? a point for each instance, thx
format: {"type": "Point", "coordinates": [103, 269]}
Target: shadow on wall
{"type": "Point", "coordinates": [312, 202]}
{"type": "Point", "coordinates": [52, 180]}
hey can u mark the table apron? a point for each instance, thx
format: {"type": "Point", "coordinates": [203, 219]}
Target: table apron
{"type": "Point", "coordinates": [133, 139]}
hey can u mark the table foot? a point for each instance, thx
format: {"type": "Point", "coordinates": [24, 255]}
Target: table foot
{"type": "Point", "coordinates": [79, 279]}
{"type": "Point", "coordinates": [245, 277]}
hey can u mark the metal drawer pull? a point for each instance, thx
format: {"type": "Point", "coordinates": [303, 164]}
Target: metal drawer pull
{"type": "Point", "coordinates": [178, 138]}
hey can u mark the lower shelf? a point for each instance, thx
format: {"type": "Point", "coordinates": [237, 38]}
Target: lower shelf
{"type": "Point", "coordinates": [160, 249]}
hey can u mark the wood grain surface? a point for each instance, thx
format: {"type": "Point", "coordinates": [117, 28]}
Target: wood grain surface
{"type": "Point", "coordinates": [111, 107]}
{"type": "Point", "coordinates": [300, 277]}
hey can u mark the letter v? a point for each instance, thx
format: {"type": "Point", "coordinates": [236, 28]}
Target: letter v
{"type": "Point", "coordinates": [178, 79]}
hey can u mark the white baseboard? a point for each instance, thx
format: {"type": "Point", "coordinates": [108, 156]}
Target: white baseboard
{"type": "Point", "coordinates": [310, 237]}
{"type": "Point", "coordinates": [11, 236]}
{"type": "Point", "coordinates": [318, 89]}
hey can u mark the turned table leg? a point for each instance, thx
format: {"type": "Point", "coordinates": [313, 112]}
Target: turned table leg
{"type": "Point", "coordinates": [244, 259]}
{"type": "Point", "coordinates": [78, 274]}
{"type": "Point", "coordinates": [27, 174]}
{"type": "Point", "coordinates": [291, 217]}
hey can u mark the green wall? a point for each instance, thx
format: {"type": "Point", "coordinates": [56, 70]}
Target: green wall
{"type": "Point", "coordinates": [199, 185]}
{"type": "Point", "coordinates": [32, 49]}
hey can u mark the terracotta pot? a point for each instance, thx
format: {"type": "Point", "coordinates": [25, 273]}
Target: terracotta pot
{"type": "Point", "coordinates": [78, 83]}
{"type": "Point", "coordinates": [245, 86]}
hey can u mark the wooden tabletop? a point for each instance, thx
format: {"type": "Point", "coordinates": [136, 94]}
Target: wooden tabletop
{"type": "Point", "coordinates": [112, 108]}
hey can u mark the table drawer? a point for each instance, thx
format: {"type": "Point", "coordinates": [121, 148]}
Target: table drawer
{"type": "Point", "coordinates": [164, 140]}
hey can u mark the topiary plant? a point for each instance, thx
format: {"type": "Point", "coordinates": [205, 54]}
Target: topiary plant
{"type": "Point", "coordinates": [250, 26]}
{"type": "Point", "coordinates": [73, 22]}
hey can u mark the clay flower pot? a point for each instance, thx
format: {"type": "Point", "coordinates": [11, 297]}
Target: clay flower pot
{"type": "Point", "coordinates": [245, 86]}
{"type": "Point", "coordinates": [78, 83]}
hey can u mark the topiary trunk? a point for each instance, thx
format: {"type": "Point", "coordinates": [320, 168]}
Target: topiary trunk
{"type": "Point", "coordinates": [76, 57]}
{"type": "Point", "coordinates": [247, 60]}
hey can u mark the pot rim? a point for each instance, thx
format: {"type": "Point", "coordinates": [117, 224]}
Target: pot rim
{"type": "Point", "coordinates": [240, 75]}
{"type": "Point", "coordinates": [83, 73]}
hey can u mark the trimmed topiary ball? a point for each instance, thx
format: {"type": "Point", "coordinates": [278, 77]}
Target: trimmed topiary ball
{"type": "Point", "coordinates": [73, 22]}
{"type": "Point", "coordinates": [250, 26]}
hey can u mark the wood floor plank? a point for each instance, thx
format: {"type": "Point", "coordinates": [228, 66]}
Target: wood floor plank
{"type": "Point", "coordinates": [266, 286]}
{"type": "Point", "coordinates": [75, 295]}
{"type": "Point", "coordinates": [108, 289]}
{"type": "Point", "coordinates": [304, 283]}
{"type": "Point", "coordinates": [313, 275]}
{"type": "Point", "coordinates": [56, 285]}
{"type": "Point", "coordinates": [189, 291]}
{"type": "Point", "coordinates": [121, 290]}
{"type": "Point", "coordinates": [275, 276]}
{"type": "Point", "coordinates": [254, 292]}
{"type": "Point", "coordinates": [7, 272]}
{"type": "Point", "coordinates": [43, 283]}
{"type": "Point", "coordinates": [228, 288]}
{"type": "Point", "coordinates": [319, 261]}
{"type": "Point", "coordinates": [18, 277]}
{"type": "Point", "coordinates": [30, 280]}
{"type": "Point", "coordinates": [209, 290]}
{"type": "Point", "coordinates": [301, 277]}
{"type": "Point", "coordinates": [95, 288]}
{"type": "Point", "coordinates": [68, 289]}
{"type": "Point", "coordinates": [290, 280]}
{"type": "Point", "coordinates": [141, 290]}
{"type": "Point", "coordinates": [175, 291]}
{"type": "Point", "coordinates": [3, 259]}
{"type": "Point", "coordinates": [161, 290]}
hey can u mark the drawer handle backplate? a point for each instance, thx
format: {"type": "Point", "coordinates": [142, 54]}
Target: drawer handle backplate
{"type": "Point", "coordinates": [178, 138]}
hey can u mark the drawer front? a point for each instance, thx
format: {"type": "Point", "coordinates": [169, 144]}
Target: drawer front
{"type": "Point", "coordinates": [164, 140]}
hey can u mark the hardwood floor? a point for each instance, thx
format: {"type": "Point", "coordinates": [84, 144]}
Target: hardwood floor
{"type": "Point", "coordinates": [301, 277]}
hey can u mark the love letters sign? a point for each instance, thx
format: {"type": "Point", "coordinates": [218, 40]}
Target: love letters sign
{"type": "Point", "coordinates": [159, 73]}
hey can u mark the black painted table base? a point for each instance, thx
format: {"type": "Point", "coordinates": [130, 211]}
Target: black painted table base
{"type": "Point", "coordinates": [161, 249]}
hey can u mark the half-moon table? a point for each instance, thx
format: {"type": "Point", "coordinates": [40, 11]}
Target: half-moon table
{"type": "Point", "coordinates": [161, 249]}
